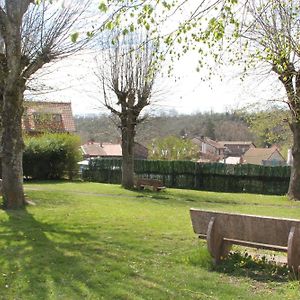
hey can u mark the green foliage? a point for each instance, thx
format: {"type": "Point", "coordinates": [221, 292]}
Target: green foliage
{"type": "Point", "coordinates": [271, 126]}
{"type": "Point", "coordinates": [180, 27]}
{"type": "Point", "coordinates": [74, 37]}
{"type": "Point", "coordinates": [103, 7]}
{"type": "Point", "coordinates": [173, 148]}
{"type": "Point", "coordinates": [51, 156]}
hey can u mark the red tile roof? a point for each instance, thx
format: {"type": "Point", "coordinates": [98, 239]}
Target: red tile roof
{"type": "Point", "coordinates": [62, 109]}
{"type": "Point", "coordinates": [98, 149]}
{"type": "Point", "coordinates": [93, 149]}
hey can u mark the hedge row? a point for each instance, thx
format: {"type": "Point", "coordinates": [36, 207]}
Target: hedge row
{"type": "Point", "coordinates": [51, 156]}
{"type": "Point", "coordinates": [191, 175]}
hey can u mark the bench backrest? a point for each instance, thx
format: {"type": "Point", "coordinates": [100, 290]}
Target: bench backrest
{"type": "Point", "coordinates": [257, 229]}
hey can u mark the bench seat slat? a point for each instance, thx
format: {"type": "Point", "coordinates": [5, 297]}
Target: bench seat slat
{"type": "Point", "coordinates": [257, 245]}
{"type": "Point", "coordinates": [251, 244]}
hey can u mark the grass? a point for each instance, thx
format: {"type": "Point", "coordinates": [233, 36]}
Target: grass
{"type": "Point", "coordinates": [97, 241]}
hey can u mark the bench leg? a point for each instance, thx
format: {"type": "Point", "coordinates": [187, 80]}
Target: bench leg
{"type": "Point", "coordinates": [294, 250]}
{"type": "Point", "coordinates": [215, 243]}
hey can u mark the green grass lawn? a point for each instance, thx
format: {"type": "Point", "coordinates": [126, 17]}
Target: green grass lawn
{"type": "Point", "coordinates": [98, 241]}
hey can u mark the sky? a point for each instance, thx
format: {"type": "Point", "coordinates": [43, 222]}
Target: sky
{"type": "Point", "coordinates": [73, 79]}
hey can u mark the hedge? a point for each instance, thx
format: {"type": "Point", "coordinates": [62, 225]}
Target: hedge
{"type": "Point", "coordinates": [51, 156]}
{"type": "Point", "coordinates": [201, 176]}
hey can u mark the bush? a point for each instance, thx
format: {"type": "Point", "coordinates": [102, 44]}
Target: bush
{"type": "Point", "coordinates": [51, 156]}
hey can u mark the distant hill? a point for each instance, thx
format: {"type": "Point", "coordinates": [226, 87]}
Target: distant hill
{"type": "Point", "coordinates": [218, 126]}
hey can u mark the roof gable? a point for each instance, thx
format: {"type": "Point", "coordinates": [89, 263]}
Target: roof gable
{"type": "Point", "coordinates": [101, 149]}
{"type": "Point", "coordinates": [94, 149]}
{"type": "Point", "coordinates": [208, 141]}
{"type": "Point", "coordinates": [54, 112]}
{"type": "Point", "coordinates": [237, 143]}
{"type": "Point", "coordinates": [257, 155]}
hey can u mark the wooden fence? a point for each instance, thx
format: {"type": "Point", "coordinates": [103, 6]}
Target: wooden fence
{"type": "Point", "coordinates": [199, 176]}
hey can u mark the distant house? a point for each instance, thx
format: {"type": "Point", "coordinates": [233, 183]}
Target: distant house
{"type": "Point", "coordinates": [210, 150]}
{"type": "Point", "coordinates": [45, 116]}
{"type": "Point", "coordinates": [264, 156]}
{"type": "Point", "coordinates": [109, 150]}
{"type": "Point", "coordinates": [236, 148]}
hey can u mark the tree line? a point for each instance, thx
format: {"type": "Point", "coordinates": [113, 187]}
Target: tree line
{"type": "Point", "coordinates": [264, 128]}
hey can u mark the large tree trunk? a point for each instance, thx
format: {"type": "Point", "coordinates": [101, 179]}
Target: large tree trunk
{"type": "Point", "coordinates": [12, 107]}
{"type": "Point", "coordinates": [128, 155]}
{"type": "Point", "coordinates": [294, 186]}
{"type": "Point", "coordinates": [12, 150]}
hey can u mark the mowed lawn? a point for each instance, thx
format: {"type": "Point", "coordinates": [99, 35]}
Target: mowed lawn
{"type": "Point", "coordinates": [97, 241]}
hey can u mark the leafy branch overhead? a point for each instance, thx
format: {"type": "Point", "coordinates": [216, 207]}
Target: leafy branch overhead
{"type": "Point", "coordinates": [179, 26]}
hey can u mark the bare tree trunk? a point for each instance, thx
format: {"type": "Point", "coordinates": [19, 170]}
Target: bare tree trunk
{"type": "Point", "coordinates": [12, 150]}
{"type": "Point", "coordinates": [128, 155]}
{"type": "Point", "coordinates": [12, 107]}
{"type": "Point", "coordinates": [294, 186]}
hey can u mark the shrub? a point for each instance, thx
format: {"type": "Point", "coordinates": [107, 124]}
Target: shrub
{"type": "Point", "coordinates": [51, 156]}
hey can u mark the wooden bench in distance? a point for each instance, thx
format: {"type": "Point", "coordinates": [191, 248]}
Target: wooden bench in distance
{"type": "Point", "coordinates": [152, 184]}
{"type": "Point", "coordinates": [224, 229]}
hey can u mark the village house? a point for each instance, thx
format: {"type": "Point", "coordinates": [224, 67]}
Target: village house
{"type": "Point", "coordinates": [109, 150]}
{"type": "Point", "coordinates": [47, 116]}
{"type": "Point", "coordinates": [210, 150]}
{"type": "Point", "coordinates": [229, 152]}
{"type": "Point", "coordinates": [264, 156]}
{"type": "Point", "coordinates": [236, 148]}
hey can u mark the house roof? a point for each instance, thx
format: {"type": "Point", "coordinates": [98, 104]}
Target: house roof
{"type": "Point", "coordinates": [93, 149]}
{"type": "Point", "coordinates": [209, 141]}
{"type": "Point", "coordinates": [244, 143]}
{"type": "Point", "coordinates": [257, 155]}
{"type": "Point", "coordinates": [63, 109]}
{"type": "Point", "coordinates": [101, 149]}
{"type": "Point", "coordinates": [213, 143]}
{"type": "Point", "coordinates": [111, 150]}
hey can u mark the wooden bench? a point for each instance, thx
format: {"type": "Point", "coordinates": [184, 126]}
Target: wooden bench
{"type": "Point", "coordinates": [153, 184]}
{"type": "Point", "coordinates": [221, 230]}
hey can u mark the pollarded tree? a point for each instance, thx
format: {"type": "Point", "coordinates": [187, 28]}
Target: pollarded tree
{"type": "Point", "coordinates": [32, 33]}
{"type": "Point", "coordinates": [127, 81]}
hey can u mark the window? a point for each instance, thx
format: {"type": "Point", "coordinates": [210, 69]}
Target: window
{"type": "Point", "coordinates": [48, 122]}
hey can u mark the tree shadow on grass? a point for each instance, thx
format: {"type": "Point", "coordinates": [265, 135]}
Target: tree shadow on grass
{"type": "Point", "coordinates": [42, 261]}
{"type": "Point", "coordinates": [260, 269]}
{"type": "Point", "coordinates": [52, 181]}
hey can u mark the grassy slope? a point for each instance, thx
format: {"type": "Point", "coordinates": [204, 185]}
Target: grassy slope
{"type": "Point", "coordinates": [117, 244]}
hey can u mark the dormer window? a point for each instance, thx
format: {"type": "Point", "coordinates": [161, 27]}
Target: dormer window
{"type": "Point", "coordinates": [48, 122]}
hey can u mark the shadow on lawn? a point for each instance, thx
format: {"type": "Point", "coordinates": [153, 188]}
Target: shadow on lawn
{"type": "Point", "coordinates": [257, 268]}
{"type": "Point", "coordinates": [52, 181]}
{"type": "Point", "coordinates": [41, 260]}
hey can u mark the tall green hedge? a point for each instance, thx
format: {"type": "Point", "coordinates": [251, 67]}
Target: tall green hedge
{"type": "Point", "coordinates": [51, 156]}
{"type": "Point", "coordinates": [207, 176]}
